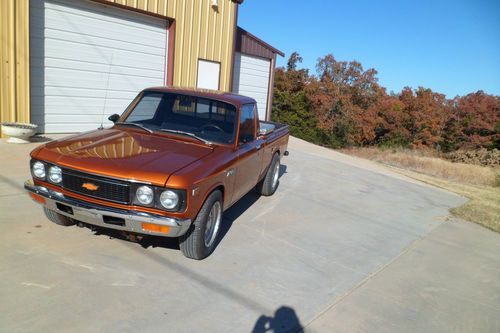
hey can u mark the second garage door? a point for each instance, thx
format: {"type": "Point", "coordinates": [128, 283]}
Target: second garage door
{"type": "Point", "coordinates": [251, 78]}
{"type": "Point", "coordinates": [88, 59]}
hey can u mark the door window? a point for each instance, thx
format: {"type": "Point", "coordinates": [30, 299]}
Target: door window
{"type": "Point", "coordinates": [247, 124]}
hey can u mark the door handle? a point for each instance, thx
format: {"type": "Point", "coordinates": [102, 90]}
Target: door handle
{"type": "Point", "coordinates": [258, 146]}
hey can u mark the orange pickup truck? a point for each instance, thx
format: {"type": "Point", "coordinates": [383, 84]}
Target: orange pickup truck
{"type": "Point", "coordinates": [169, 166]}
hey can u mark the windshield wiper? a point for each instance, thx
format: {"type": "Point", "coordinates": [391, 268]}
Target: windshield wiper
{"type": "Point", "coordinates": [135, 124]}
{"type": "Point", "coordinates": [187, 134]}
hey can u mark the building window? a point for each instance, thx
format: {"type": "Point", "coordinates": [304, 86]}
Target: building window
{"type": "Point", "coordinates": [208, 74]}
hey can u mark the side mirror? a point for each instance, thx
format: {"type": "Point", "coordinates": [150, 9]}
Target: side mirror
{"type": "Point", "coordinates": [265, 129]}
{"type": "Point", "coordinates": [114, 117]}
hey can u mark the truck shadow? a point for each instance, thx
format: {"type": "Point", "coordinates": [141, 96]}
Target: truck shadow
{"type": "Point", "coordinates": [233, 213]}
{"type": "Point", "coordinates": [230, 216]}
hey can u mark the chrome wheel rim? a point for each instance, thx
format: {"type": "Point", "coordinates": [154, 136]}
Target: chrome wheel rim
{"type": "Point", "coordinates": [213, 223]}
{"type": "Point", "coordinates": [276, 174]}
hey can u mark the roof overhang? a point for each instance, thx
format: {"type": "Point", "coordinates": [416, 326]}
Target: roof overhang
{"type": "Point", "coordinates": [250, 44]}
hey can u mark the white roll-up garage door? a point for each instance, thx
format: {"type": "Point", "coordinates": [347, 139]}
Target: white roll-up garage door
{"type": "Point", "coordinates": [251, 78]}
{"type": "Point", "coordinates": [88, 59]}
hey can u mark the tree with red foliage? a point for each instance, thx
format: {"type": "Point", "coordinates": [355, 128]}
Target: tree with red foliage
{"type": "Point", "coordinates": [427, 113]}
{"type": "Point", "coordinates": [343, 105]}
{"type": "Point", "coordinates": [478, 119]}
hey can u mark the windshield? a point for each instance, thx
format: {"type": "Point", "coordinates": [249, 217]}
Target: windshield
{"type": "Point", "coordinates": [204, 119]}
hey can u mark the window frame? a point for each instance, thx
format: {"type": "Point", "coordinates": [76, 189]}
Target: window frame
{"type": "Point", "coordinates": [213, 102]}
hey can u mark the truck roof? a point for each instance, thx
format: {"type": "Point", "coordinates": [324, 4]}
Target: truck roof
{"type": "Point", "coordinates": [227, 97]}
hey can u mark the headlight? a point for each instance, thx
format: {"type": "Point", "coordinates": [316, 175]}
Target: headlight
{"type": "Point", "coordinates": [172, 200]}
{"type": "Point", "coordinates": [169, 199]}
{"type": "Point", "coordinates": [38, 170]}
{"type": "Point", "coordinates": [144, 195]}
{"type": "Point", "coordinates": [55, 174]}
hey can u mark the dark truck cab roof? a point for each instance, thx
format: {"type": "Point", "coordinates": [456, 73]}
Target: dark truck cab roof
{"type": "Point", "coordinates": [227, 97]}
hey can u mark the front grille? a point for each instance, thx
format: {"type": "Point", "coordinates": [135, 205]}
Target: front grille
{"type": "Point", "coordinates": [103, 188]}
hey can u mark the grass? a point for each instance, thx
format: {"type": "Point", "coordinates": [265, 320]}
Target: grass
{"type": "Point", "coordinates": [428, 163]}
{"type": "Point", "coordinates": [479, 184]}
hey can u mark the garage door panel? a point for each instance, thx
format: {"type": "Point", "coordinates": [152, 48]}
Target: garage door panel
{"type": "Point", "coordinates": [87, 79]}
{"type": "Point", "coordinates": [254, 81]}
{"type": "Point", "coordinates": [81, 112]}
{"type": "Point", "coordinates": [255, 74]}
{"type": "Point", "coordinates": [81, 119]}
{"type": "Point", "coordinates": [93, 29]}
{"type": "Point", "coordinates": [107, 15]}
{"type": "Point", "coordinates": [261, 108]}
{"type": "Point", "coordinates": [253, 87]}
{"type": "Point", "coordinates": [71, 47]}
{"type": "Point", "coordinates": [83, 92]}
{"type": "Point", "coordinates": [56, 119]}
{"type": "Point", "coordinates": [251, 78]}
{"type": "Point", "coordinates": [41, 97]}
{"type": "Point", "coordinates": [257, 95]}
{"type": "Point", "coordinates": [252, 59]}
{"type": "Point", "coordinates": [66, 78]}
{"type": "Point", "coordinates": [59, 49]}
{"type": "Point", "coordinates": [104, 13]}
{"type": "Point", "coordinates": [106, 42]}
{"type": "Point", "coordinates": [80, 122]}
{"type": "Point", "coordinates": [99, 68]}
{"type": "Point", "coordinates": [86, 104]}
{"type": "Point", "coordinates": [255, 69]}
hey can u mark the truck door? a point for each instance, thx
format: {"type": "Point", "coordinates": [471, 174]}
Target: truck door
{"type": "Point", "coordinates": [249, 152]}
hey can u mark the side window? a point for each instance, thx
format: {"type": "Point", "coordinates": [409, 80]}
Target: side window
{"type": "Point", "coordinates": [146, 108]}
{"type": "Point", "coordinates": [247, 124]}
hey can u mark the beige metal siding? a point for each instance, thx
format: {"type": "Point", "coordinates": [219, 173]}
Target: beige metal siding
{"type": "Point", "coordinates": [14, 61]}
{"type": "Point", "coordinates": [201, 33]}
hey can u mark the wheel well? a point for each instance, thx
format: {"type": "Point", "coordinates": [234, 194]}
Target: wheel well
{"type": "Point", "coordinates": [221, 189]}
{"type": "Point", "coordinates": [267, 167]}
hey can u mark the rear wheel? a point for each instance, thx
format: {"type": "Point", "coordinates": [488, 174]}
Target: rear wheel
{"type": "Point", "coordinates": [58, 218]}
{"type": "Point", "coordinates": [201, 238]}
{"type": "Point", "coordinates": [269, 184]}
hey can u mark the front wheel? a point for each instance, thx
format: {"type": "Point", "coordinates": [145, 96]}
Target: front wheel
{"type": "Point", "coordinates": [200, 240]}
{"type": "Point", "coordinates": [269, 184]}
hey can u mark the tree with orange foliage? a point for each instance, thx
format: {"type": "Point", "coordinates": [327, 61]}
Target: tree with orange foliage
{"type": "Point", "coordinates": [343, 105]}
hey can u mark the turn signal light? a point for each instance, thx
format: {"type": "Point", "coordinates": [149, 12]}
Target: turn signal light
{"type": "Point", "coordinates": [156, 227]}
{"type": "Point", "coordinates": [37, 198]}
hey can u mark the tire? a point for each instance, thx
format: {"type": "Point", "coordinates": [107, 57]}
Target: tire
{"type": "Point", "coordinates": [268, 185]}
{"type": "Point", "coordinates": [199, 242]}
{"type": "Point", "coordinates": [58, 218]}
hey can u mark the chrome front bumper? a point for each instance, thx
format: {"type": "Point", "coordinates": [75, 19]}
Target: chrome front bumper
{"type": "Point", "coordinates": [107, 217]}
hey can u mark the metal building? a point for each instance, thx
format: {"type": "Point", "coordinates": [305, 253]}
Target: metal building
{"type": "Point", "coordinates": [66, 62]}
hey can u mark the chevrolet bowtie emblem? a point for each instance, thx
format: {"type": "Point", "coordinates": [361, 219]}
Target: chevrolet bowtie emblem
{"type": "Point", "coordinates": [90, 186]}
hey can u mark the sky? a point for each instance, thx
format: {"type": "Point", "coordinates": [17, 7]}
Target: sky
{"type": "Point", "coordinates": [452, 47]}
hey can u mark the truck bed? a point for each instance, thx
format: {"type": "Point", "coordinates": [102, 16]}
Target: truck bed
{"type": "Point", "coordinates": [279, 130]}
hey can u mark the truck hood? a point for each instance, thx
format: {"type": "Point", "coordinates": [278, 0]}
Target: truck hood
{"type": "Point", "coordinates": [123, 154]}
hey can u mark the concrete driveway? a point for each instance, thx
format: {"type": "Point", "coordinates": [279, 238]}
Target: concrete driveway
{"type": "Point", "coordinates": [343, 246]}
